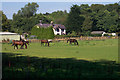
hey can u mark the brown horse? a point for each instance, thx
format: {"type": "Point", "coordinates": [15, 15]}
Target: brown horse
{"type": "Point", "coordinates": [22, 43]}
{"type": "Point", "coordinates": [44, 41]}
{"type": "Point", "coordinates": [73, 41]}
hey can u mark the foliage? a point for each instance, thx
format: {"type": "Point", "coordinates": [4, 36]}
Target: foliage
{"type": "Point", "coordinates": [43, 33]}
{"type": "Point", "coordinates": [29, 10]}
{"type": "Point", "coordinates": [74, 20]}
{"type": "Point", "coordinates": [82, 19]}
{"type": "Point", "coordinates": [97, 17]}
{"type": "Point", "coordinates": [58, 17]}
{"type": "Point", "coordinates": [5, 22]}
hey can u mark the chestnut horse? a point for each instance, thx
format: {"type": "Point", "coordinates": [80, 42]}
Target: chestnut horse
{"type": "Point", "coordinates": [44, 41]}
{"type": "Point", "coordinates": [22, 43]}
{"type": "Point", "coordinates": [72, 41]}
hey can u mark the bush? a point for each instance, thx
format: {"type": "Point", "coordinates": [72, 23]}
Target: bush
{"type": "Point", "coordinates": [43, 33]}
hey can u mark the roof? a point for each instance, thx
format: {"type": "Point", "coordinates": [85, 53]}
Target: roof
{"type": "Point", "coordinates": [44, 25]}
{"type": "Point", "coordinates": [7, 33]}
{"type": "Point", "coordinates": [54, 26]}
{"type": "Point", "coordinates": [97, 32]}
{"type": "Point", "coordinates": [59, 26]}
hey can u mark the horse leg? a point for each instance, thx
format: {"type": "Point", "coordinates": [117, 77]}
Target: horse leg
{"type": "Point", "coordinates": [25, 46]}
{"type": "Point", "coordinates": [74, 43]}
{"type": "Point", "coordinates": [45, 44]}
{"type": "Point", "coordinates": [77, 43]}
{"type": "Point", "coordinates": [14, 46]}
{"type": "Point", "coordinates": [22, 46]}
{"type": "Point", "coordinates": [41, 43]}
{"type": "Point", "coordinates": [17, 46]}
{"type": "Point", "coordinates": [48, 43]}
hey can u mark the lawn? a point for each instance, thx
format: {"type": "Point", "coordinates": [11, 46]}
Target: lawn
{"type": "Point", "coordinates": [88, 50]}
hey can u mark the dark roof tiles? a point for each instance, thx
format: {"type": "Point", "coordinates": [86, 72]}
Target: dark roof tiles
{"type": "Point", "coordinates": [54, 26]}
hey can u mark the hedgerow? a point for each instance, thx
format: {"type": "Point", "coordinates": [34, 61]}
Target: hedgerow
{"type": "Point", "coordinates": [43, 33]}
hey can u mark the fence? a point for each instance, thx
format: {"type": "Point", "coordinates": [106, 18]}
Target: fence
{"type": "Point", "coordinates": [78, 38]}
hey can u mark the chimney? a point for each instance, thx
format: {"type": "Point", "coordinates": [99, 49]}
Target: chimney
{"type": "Point", "coordinates": [51, 23]}
{"type": "Point", "coordinates": [40, 22]}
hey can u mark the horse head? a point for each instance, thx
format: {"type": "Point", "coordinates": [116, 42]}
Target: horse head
{"type": "Point", "coordinates": [68, 40]}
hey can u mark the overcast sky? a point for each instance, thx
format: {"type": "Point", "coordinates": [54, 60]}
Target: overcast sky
{"type": "Point", "coordinates": [12, 6]}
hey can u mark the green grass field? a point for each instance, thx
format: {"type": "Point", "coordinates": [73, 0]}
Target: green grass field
{"type": "Point", "coordinates": [89, 60]}
{"type": "Point", "coordinates": [87, 50]}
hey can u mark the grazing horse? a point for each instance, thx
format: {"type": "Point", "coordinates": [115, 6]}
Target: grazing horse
{"type": "Point", "coordinates": [44, 41]}
{"type": "Point", "coordinates": [22, 43]}
{"type": "Point", "coordinates": [72, 41]}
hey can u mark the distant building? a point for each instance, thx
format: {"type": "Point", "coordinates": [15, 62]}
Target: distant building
{"type": "Point", "coordinates": [97, 32]}
{"type": "Point", "coordinates": [9, 35]}
{"type": "Point", "coordinates": [58, 29]}
{"type": "Point", "coordinates": [103, 33]}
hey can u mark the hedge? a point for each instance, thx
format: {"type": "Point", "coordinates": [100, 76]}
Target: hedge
{"type": "Point", "coordinates": [43, 33]}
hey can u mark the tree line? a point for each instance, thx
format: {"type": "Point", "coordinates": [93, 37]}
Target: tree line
{"type": "Point", "coordinates": [82, 19]}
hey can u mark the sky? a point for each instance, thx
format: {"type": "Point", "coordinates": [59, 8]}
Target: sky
{"type": "Point", "coordinates": [59, 0]}
{"type": "Point", "coordinates": [11, 6]}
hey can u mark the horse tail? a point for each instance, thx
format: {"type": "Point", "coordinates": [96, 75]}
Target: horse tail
{"type": "Point", "coordinates": [77, 42]}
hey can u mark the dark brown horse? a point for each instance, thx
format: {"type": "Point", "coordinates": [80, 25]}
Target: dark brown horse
{"type": "Point", "coordinates": [72, 41]}
{"type": "Point", "coordinates": [22, 43]}
{"type": "Point", "coordinates": [44, 41]}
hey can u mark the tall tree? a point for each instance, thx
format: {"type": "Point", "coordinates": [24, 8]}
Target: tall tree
{"type": "Point", "coordinates": [5, 23]}
{"type": "Point", "coordinates": [24, 20]}
{"type": "Point", "coordinates": [29, 10]}
{"type": "Point", "coordinates": [74, 20]}
{"type": "Point", "coordinates": [58, 17]}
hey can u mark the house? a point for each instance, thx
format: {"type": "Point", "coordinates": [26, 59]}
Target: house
{"type": "Point", "coordinates": [58, 29]}
{"type": "Point", "coordinates": [9, 35]}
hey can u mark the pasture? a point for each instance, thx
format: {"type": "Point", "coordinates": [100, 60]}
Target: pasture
{"type": "Point", "coordinates": [88, 50]}
{"type": "Point", "coordinates": [91, 59]}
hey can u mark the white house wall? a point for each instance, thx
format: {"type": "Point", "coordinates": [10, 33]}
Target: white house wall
{"type": "Point", "coordinates": [60, 32]}
{"type": "Point", "coordinates": [10, 37]}
{"type": "Point", "coordinates": [64, 31]}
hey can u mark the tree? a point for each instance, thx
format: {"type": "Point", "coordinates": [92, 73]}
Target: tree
{"type": "Point", "coordinates": [74, 20]}
{"type": "Point", "coordinates": [108, 21]}
{"type": "Point", "coordinates": [5, 23]}
{"type": "Point", "coordinates": [29, 10]}
{"type": "Point", "coordinates": [24, 20]}
{"type": "Point", "coordinates": [87, 24]}
{"type": "Point", "coordinates": [58, 17]}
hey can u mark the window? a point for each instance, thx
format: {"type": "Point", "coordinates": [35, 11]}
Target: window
{"type": "Point", "coordinates": [57, 30]}
{"type": "Point", "coordinates": [62, 30]}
